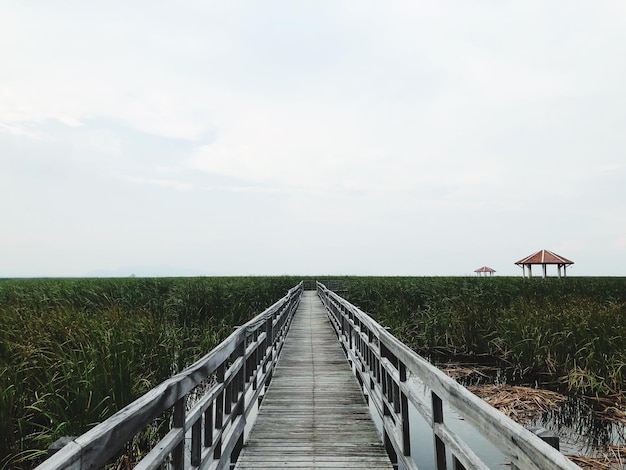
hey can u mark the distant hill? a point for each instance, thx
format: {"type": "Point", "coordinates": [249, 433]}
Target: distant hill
{"type": "Point", "coordinates": [148, 271]}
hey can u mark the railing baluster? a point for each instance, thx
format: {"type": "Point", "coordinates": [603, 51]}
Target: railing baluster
{"type": "Point", "coordinates": [268, 334]}
{"type": "Point", "coordinates": [396, 396]}
{"type": "Point", "coordinates": [383, 373]}
{"type": "Point", "coordinates": [228, 398]}
{"type": "Point", "coordinates": [457, 465]}
{"type": "Point", "coordinates": [208, 426]}
{"type": "Point", "coordinates": [391, 452]}
{"type": "Point", "coordinates": [196, 442]}
{"type": "Point", "coordinates": [404, 413]}
{"type": "Point", "coordinates": [178, 454]}
{"type": "Point", "coordinates": [240, 392]}
{"type": "Point", "coordinates": [219, 412]}
{"type": "Point", "coordinates": [440, 448]}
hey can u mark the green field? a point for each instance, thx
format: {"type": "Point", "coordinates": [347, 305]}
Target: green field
{"type": "Point", "coordinates": [74, 351]}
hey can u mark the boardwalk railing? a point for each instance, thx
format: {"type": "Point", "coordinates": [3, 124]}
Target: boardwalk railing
{"type": "Point", "coordinates": [210, 401]}
{"type": "Point", "coordinates": [383, 365]}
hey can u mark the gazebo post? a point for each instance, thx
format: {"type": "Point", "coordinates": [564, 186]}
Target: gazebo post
{"type": "Point", "coordinates": [530, 271]}
{"type": "Point", "coordinates": [545, 269]}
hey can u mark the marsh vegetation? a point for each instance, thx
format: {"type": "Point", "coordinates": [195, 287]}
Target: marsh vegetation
{"type": "Point", "coordinates": [569, 332]}
{"type": "Point", "coordinates": [74, 351]}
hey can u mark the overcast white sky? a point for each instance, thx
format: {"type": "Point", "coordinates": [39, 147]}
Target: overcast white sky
{"type": "Point", "coordinates": [311, 137]}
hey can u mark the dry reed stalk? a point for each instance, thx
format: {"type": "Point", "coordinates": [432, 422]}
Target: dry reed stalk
{"type": "Point", "coordinates": [591, 463]}
{"type": "Point", "coordinates": [518, 403]}
{"type": "Point", "coordinates": [455, 370]}
{"type": "Point", "coordinates": [612, 459]}
{"type": "Point", "coordinates": [523, 403]}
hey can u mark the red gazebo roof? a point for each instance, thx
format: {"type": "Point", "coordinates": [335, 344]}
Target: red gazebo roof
{"type": "Point", "coordinates": [484, 269]}
{"type": "Point", "coordinates": [544, 257]}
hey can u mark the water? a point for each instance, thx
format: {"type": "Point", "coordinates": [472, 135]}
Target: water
{"type": "Point", "coordinates": [575, 420]}
{"type": "Point", "coordinates": [579, 429]}
{"type": "Point", "coordinates": [422, 440]}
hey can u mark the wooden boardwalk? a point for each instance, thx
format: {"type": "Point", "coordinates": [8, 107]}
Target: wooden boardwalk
{"type": "Point", "coordinates": [314, 414]}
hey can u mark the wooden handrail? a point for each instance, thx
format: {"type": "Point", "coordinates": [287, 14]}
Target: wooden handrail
{"type": "Point", "coordinates": [382, 363]}
{"type": "Point", "coordinates": [238, 369]}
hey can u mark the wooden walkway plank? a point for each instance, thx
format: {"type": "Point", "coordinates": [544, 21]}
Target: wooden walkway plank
{"type": "Point", "coordinates": [313, 414]}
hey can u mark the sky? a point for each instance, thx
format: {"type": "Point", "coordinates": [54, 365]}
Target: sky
{"type": "Point", "coordinates": [313, 137]}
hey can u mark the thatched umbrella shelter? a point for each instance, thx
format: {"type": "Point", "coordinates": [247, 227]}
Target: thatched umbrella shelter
{"type": "Point", "coordinates": [544, 258]}
{"type": "Point", "coordinates": [484, 271]}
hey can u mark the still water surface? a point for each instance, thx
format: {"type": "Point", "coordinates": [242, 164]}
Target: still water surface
{"type": "Point", "coordinates": [580, 432]}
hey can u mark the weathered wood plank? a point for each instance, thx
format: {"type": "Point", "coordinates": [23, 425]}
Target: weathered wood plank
{"type": "Point", "coordinates": [314, 414]}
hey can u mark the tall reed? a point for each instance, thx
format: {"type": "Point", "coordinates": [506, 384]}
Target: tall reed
{"type": "Point", "coordinates": [570, 330]}
{"type": "Point", "coordinates": [74, 351]}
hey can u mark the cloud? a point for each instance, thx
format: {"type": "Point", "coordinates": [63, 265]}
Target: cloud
{"type": "Point", "coordinates": [404, 123]}
{"type": "Point", "coordinates": [115, 71]}
{"type": "Point", "coordinates": [167, 183]}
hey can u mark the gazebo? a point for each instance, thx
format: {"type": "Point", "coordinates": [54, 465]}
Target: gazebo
{"type": "Point", "coordinates": [484, 271]}
{"type": "Point", "coordinates": [544, 258]}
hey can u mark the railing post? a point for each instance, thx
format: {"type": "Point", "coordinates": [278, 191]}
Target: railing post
{"type": "Point", "coordinates": [178, 454]}
{"type": "Point", "coordinates": [395, 390]}
{"type": "Point", "coordinates": [208, 426]}
{"type": "Point", "coordinates": [404, 413]}
{"type": "Point", "coordinates": [242, 379]}
{"type": "Point", "coordinates": [219, 412]}
{"type": "Point", "coordinates": [457, 465]}
{"type": "Point", "coordinates": [269, 330]}
{"type": "Point", "coordinates": [250, 367]}
{"type": "Point", "coordinates": [370, 359]}
{"type": "Point", "coordinates": [196, 442]}
{"type": "Point", "coordinates": [350, 331]}
{"type": "Point", "coordinates": [440, 448]}
{"type": "Point", "coordinates": [268, 342]}
{"type": "Point", "coordinates": [228, 397]}
{"type": "Point", "coordinates": [391, 452]}
{"type": "Point", "coordinates": [239, 396]}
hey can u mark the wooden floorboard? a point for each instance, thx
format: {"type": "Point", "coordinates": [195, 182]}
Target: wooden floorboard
{"type": "Point", "coordinates": [314, 414]}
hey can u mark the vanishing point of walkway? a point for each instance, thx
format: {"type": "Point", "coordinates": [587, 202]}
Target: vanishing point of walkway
{"type": "Point", "coordinates": [314, 414]}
